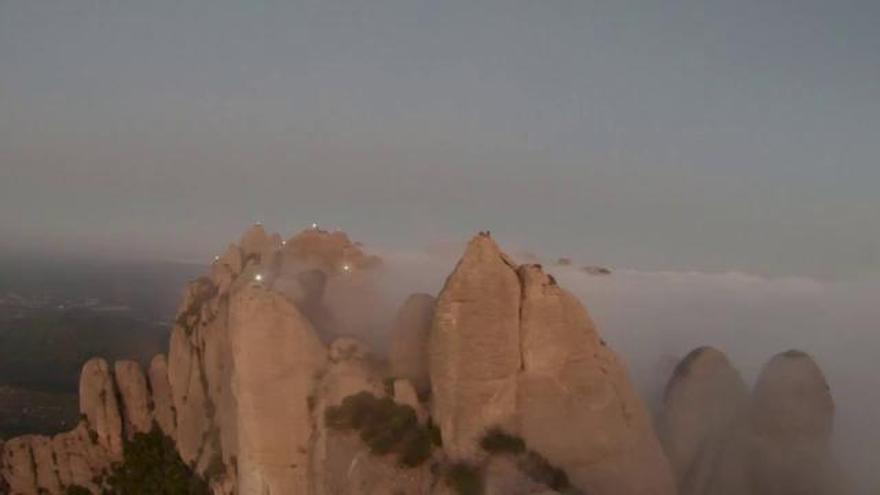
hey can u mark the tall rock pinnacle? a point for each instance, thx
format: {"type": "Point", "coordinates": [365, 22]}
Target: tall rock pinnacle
{"type": "Point", "coordinates": [792, 418]}
{"type": "Point", "coordinates": [702, 424]}
{"type": "Point", "coordinates": [511, 349]}
{"type": "Point", "coordinates": [276, 354]}
{"type": "Point", "coordinates": [475, 347]}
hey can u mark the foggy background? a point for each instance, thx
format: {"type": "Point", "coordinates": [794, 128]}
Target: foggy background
{"type": "Point", "coordinates": [683, 134]}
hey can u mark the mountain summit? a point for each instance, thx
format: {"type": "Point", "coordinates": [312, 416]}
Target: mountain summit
{"type": "Point", "coordinates": [499, 384]}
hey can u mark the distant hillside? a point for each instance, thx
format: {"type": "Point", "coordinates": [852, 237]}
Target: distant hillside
{"type": "Point", "coordinates": [57, 314]}
{"type": "Point", "coordinates": [151, 290]}
{"type": "Point", "coordinates": [46, 349]}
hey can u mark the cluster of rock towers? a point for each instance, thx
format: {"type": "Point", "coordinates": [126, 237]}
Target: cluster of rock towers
{"type": "Point", "coordinates": [262, 347]}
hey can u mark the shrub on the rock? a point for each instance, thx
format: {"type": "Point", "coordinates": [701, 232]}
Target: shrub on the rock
{"type": "Point", "coordinates": [465, 479]}
{"type": "Point", "coordinates": [497, 441]}
{"type": "Point", "coordinates": [152, 466]}
{"type": "Point", "coordinates": [384, 426]}
{"type": "Point", "coordinates": [539, 470]}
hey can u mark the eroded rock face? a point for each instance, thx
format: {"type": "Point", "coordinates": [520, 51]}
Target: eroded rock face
{"type": "Point", "coordinates": [98, 403]}
{"type": "Point", "coordinates": [349, 371]}
{"type": "Point", "coordinates": [33, 464]}
{"type": "Point", "coordinates": [475, 348]}
{"type": "Point", "coordinates": [702, 425]}
{"type": "Point", "coordinates": [368, 474]}
{"type": "Point", "coordinates": [80, 461]}
{"type": "Point", "coordinates": [410, 333]}
{"type": "Point", "coordinates": [188, 394]}
{"type": "Point", "coordinates": [17, 465]}
{"type": "Point", "coordinates": [163, 404]}
{"type": "Point", "coordinates": [510, 348]}
{"type": "Point", "coordinates": [136, 400]}
{"type": "Point", "coordinates": [45, 465]}
{"type": "Point", "coordinates": [791, 420]}
{"type": "Point", "coordinates": [575, 400]}
{"type": "Point", "coordinates": [276, 355]}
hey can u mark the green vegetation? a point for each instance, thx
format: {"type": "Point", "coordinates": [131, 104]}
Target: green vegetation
{"type": "Point", "coordinates": [465, 479]}
{"type": "Point", "coordinates": [436, 435]}
{"type": "Point", "coordinates": [151, 466]}
{"type": "Point", "coordinates": [496, 441]}
{"type": "Point", "coordinates": [539, 470]}
{"type": "Point", "coordinates": [202, 290]}
{"type": "Point", "coordinates": [532, 464]}
{"type": "Point", "coordinates": [385, 426]}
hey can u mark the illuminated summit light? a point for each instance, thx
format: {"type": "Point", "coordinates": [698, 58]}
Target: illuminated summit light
{"type": "Point", "coordinates": [283, 243]}
{"type": "Point", "coordinates": [216, 258]}
{"type": "Point", "coordinates": [346, 267]}
{"type": "Point", "coordinates": [314, 225]}
{"type": "Point", "coordinates": [258, 277]}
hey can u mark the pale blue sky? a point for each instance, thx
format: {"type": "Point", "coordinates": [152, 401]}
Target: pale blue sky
{"type": "Point", "coordinates": [668, 134]}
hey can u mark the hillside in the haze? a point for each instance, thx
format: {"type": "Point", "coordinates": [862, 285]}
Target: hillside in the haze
{"type": "Point", "coordinates": [57, 314]}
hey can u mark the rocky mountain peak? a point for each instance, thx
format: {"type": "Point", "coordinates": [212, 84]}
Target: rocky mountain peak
{"type": "Point", "coordinates": [511, 349]}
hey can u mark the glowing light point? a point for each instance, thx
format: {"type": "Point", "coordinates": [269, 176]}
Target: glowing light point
{"type": "Point", "coordinates": [283, 243]}
{"type": "Point", "coordinates": [314, 225]}
{"type": "Point", "coordinates": [258, 277]}
{"type": "Point", "coordinates": [216, 258]}
{"type": "Point", "coordinates": [346, 267]}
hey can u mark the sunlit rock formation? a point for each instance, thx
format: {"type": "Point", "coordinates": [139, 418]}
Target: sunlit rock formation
{"type": "Point", "coordinates": [511, 349]}
{"type": "Point", "coordinates": [114, 406]}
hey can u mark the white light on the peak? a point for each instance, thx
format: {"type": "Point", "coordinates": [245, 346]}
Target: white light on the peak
{"type": "Point", "coordinates": [346, 267]}
{"type": "Point", "coordinates": [283, 243]}
{"type": "Point", "coordinates": [314, 225]}
{"type": "Point", "coordinates": [258, 277]}
{"type": "Point", "coordinates": [216, 258]}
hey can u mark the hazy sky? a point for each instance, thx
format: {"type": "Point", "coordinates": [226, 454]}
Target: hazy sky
{"type": "Point", "coordinates": [666, 134]}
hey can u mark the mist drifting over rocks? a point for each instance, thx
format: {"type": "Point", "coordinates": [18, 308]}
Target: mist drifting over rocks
{"type": "Point", "coordinates": [655, 318]}
{"type": "Point", "coordinates": [331, 325]}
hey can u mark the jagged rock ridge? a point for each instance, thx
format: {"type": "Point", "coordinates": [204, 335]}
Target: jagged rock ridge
{"type": "Point", "coordinates": [258, 352]}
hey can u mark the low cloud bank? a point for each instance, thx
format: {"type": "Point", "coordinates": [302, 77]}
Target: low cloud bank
{"type": "Point", "coordinates": [655, 318]}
